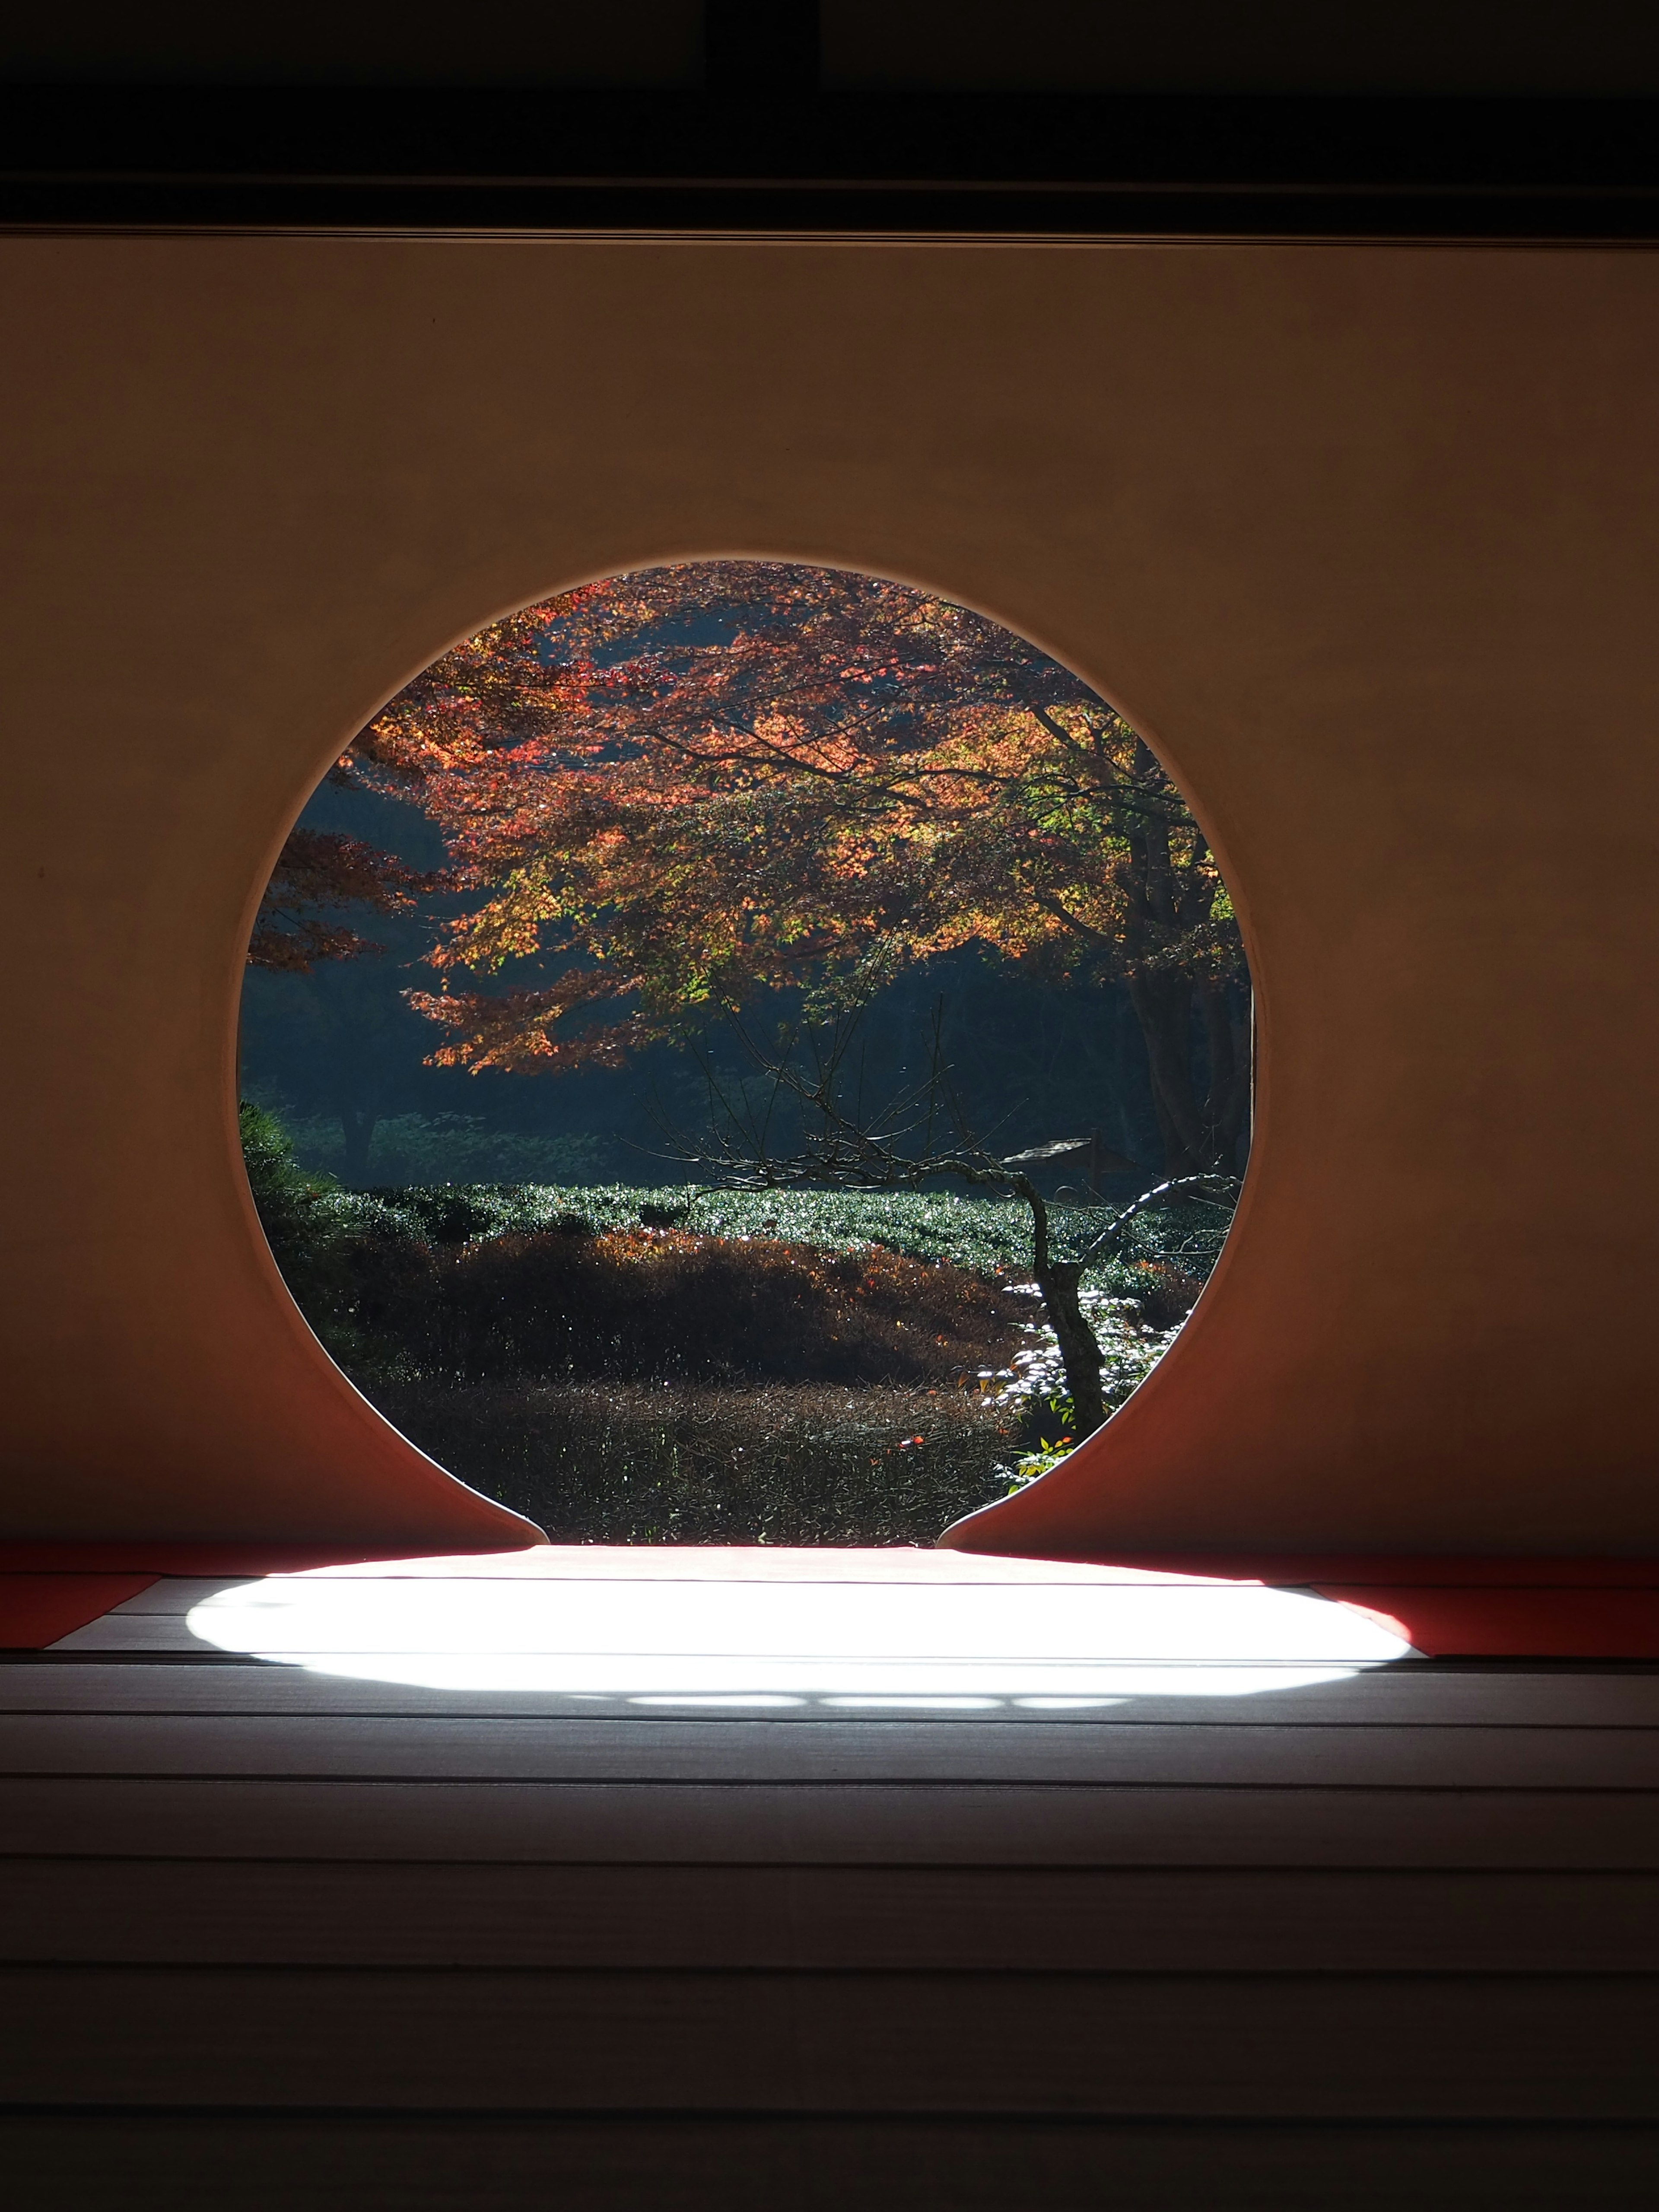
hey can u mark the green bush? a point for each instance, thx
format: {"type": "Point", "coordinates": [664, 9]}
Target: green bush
{"type": "Point", "coordinates": [319, 1237]}
{"type": "Point", "coordinates": [988, 1235]}
{"type": "Point", "coordinates": [282, 1191]}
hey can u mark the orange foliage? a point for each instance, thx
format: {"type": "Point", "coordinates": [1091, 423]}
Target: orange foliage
{"type": "Point", "coordinates": [694, 784]}
{"type": "Point", "coordinates": [735, 775]}
{"type": "Point", "coordinates": [664, 1303]}
{"type": "Point", "coordinates": [317, 871]}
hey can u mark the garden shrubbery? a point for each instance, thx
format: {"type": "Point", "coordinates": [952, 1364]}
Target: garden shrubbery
{"type": "Point", "coordinates": [630, 1365]}
{"type": "Point", "coordinates": [661, 1303]}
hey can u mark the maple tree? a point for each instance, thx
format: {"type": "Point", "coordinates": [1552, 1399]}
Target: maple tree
{"type": "Point", "coordinates": [298, 928]}
{"type": "Point", "coordinates": [697, 784]}
{"type": "Point", "coordinates": [317, 871]}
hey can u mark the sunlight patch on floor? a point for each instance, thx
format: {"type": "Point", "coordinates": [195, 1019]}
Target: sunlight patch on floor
{"type": "Point", "coordinates": [920, 1637]}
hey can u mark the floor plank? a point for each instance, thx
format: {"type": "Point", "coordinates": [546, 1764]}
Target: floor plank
{"type": "Point", "coordinates": [260, 2162]}
{"type": "Point", "coordinates": [1211, 1752]}
{"type": "Point", "coordinates": [1412, 1694]}
{"type": "Point", "coordinates": [831, 1823]}
{"type": "Point", "coordinates": [1444, 2046]}
{"type": "Point", "coordinates": [218, 1913]}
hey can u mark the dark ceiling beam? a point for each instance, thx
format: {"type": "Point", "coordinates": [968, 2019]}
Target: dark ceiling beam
{"type": "Point", "coordinates": [757, 152]}
{"type": "Point", "coordinates": [761, 48]}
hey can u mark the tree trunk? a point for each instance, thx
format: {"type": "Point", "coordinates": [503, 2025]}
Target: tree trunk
{"type": "Point", "coordinates": [1059, 1281]}
{"type": "Point", "coordinates": [1079, 1347]}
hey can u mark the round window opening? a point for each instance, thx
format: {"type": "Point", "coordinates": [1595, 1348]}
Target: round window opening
{"type": "Point", "coordinates": [746, 1053]}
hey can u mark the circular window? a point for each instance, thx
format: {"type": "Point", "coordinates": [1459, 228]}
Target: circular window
{"type": "Point", "coordinates": [746, 1052]}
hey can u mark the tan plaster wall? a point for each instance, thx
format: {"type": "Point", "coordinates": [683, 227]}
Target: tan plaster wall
{"type": "Point", "coordinates": [1364, 540]}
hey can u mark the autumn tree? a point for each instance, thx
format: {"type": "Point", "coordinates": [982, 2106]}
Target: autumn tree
{"type": "Point", "coordinates": [324, 883]}
{"type": "Point", "coordinates": [697, 784]}
{"type": "Point", "coordinates": [319, 872]}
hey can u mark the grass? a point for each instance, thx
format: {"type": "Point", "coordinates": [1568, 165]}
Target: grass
{"type": "Point", "coordinates": [651, 1463]}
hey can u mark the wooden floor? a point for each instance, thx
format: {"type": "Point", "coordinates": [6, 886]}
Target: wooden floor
{"type": "Point", "coordinates": [307, 1930]}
